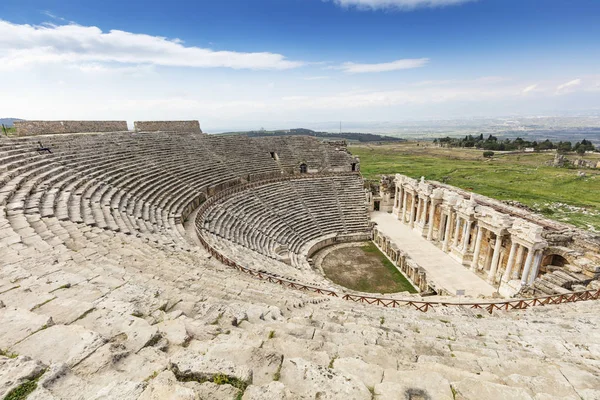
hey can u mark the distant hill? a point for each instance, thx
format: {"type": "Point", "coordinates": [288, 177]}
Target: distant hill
{"type": "Point", "coordinates": [8, 122]}
{"type": "Point", "coordinates": [349, 136]}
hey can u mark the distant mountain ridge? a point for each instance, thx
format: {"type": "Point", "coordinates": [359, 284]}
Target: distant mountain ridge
{"type": "Point", "coordinates": [351, 136]}
{"type": "Point", "coordinates": [8, 122]}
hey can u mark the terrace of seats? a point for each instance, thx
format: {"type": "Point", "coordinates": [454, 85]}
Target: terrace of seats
{"type": "Point", "coordinates": [132, 320]}
{"type": "Point", "coordinates": [133, 183]}
{"type": "Point", "coordinates": [285, 217]}
{"type": "Point", "coordinates": [98, 300]}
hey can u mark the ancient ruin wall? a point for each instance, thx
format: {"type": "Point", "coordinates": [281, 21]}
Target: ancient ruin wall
{"type": "Point", "coordinates": [167, 126]}
{"type": "Point", "coordinates": [29, 128]}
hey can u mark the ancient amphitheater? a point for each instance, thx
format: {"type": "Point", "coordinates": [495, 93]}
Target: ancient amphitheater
{"type": "Point", "coordinates": [164, 263]}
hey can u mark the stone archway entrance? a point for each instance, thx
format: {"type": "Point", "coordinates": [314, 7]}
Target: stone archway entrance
{"type": "Point", "coordinates": [303, 168]}
{"type": "Point", "coordinates": [554, 259]}
{"type": "Point", "coordinates": [552, 262]}
{"type": "Point", "coordinates": [376, 205]}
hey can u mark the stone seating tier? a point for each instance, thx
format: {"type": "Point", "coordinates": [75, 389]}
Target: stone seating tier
{"type": "Point", "coordinates": [102, 295]}
{"type": "Point", "coordinates": [288, 214]}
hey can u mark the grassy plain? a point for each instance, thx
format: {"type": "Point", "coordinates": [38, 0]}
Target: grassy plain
{"type": "Point", "coordinates": [9, 131]}
{"type": "Point", "coordinates": [365, 269]}
{"type": "Point", "coordinates": [558, 193]}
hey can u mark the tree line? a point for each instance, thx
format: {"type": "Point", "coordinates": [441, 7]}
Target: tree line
{"type": "Point", "coordinates": [493, 143]}
{"type": "Point", "coordinates": [360, 137]}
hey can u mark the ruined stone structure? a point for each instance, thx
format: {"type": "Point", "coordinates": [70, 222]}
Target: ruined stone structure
{"type": "Point", "coordinates": [176, 265]}
{"type": "Point", "coordinates": [561, 160]}
{"type": "Point", "coordinates": [28, 128]}
{"type": "Point", "coordinates": [402, 260]}
{"type": "Point", "coordinates": [509, 248]}
{"type": "Point", "coordinates": [167, 126]}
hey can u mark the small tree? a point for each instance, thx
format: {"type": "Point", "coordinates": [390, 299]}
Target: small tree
{"type": "Point", "coordinates": [488, 154]}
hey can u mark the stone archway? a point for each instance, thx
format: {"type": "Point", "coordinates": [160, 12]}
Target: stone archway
{"type": "Point", "coordinates": [555, 259]}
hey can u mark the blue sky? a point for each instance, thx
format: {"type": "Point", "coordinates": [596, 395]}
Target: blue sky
{"type": "Point", "coordinates": [272, 63]}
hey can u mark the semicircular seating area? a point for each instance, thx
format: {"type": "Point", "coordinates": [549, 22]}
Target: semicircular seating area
{"type": "Point", "coordinates": [281, 220]}
{"type": "Point", "coordinates": [135, 183]}
{"type": "Point", "coordinates": [103, 295]}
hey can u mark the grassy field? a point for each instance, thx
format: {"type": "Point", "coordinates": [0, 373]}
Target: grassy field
{"type": "Point", "coordinates": [558, 193]}
{"type": "Point", "coordinates": [365, 269]}
{"type": "Point", "coordinates": [9, 131]}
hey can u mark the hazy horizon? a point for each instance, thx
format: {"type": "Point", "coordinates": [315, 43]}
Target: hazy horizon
{"type": "Point", "coordinates": [242, 64]}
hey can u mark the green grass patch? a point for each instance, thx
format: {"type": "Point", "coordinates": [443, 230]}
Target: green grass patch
{"type": "Point", "coordinates": [22, 391]}
{"type": "Point", "coordinates": [396, 275]}
{"type": "Point", "coordinates": [7, 353]}
{"type": "Point", "coordinates": [365, 269]}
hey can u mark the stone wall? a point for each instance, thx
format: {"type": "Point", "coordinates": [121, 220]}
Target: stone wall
{"type": "Point", "coordinates": [406, 265]}
{"type": "Point", "coordinates": [167, 126]}
{"type": "Point", "coordinates": [29, 128]}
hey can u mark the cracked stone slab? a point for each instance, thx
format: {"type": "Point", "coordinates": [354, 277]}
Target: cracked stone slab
{"type": "Point", "coordinates": [310, 381]}
{"type": "Point", "coordinates": [65, 311]}
{"type": "Point", "coordinates": [166, 386]}
{"type": "Point", "coordinates": [475, 389]}
{"type": "Point", "coordinates": [69, 344]}
{"type": "Point", "coordinates": [134, 333]}
{"type": "Point", "coordinates": [17, 324]}
{"type": "Point", "coordinates": [189, 365]}
{"type": "Point", "coordinates": [15, 371]}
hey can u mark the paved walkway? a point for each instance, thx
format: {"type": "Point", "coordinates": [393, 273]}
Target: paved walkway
{"type": "Point", "coordinates": [441, 268]}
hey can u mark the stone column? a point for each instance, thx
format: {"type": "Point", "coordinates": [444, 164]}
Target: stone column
{"type": "Point", "coordinates": [404, 206]}
{"type": "Point", "coordinates": [456, 230]}
{"type": "Point", "coordinates": [431, 220]}
{"type": "Point", "coordinates": [475, 262]}
{"type": "Point", "coordinates": [466, 236]}
{"type": "Point", "coordinates": [495, 259]}
{"type": "Point", "coordinates": [511, 262]}
{"type": "Point", "coordinates": [518, 262]}
{"type": "Point", "coordinates": [413, 208]}
{"type": "Point", "coordinates": [447, 231]}
{"type": "Point", "coordinates": [527, 268]}
{"type": "Point", "coordinates": [536, 266]}
{"type": "Point", "coordinates": [424, 210]}
{"type": "Point", "coordinates": [397, 197]}
{"type": "Point", "coordinates": [487, 262]}
{"type": "Point", "coordinates": [442, 227]}
{"type": "Point", "coordinates": [419, 209]}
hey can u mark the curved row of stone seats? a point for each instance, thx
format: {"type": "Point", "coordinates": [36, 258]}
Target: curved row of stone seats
{"type": "Point", "coordinates": [284, 215]}
{"type": "Point", "coordinates": [118, 317]}
{"type": "Point", "coordinates": [263, 264]}
{"type": "Point", "coordinates": [311, 151]}
{"type": "Point", "coordinates": [90, 192]}
{"type": "Point", "coordinates": [40, 179]}
{"type": "Point", "coordinates": [154, 323]}
{"type": "Point", "coordinates": [133, 183]}
{"type": "Point", "coordinates": [233, 148]}
{"type": "Point", "coordinates": [92, 313]}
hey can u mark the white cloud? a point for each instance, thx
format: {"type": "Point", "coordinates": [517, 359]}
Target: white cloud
{"type": "Point", "coordinates": [530, 88]}
{"type": "Point", "coordinates": [407, 63]}
{"type": "Point", "coordinates": [403, 5]}
{"type": "Point", "coordinates": [568, 85]}
{"type": "Point", "coordinates": [316, 78]}
{"type": "Point", "coordinates": [22, 45]}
